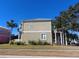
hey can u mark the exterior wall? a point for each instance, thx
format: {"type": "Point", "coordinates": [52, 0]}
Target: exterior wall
{"type": "Point", "coordinates": [37, 26]}
{"type": "Point", "coordinates": [33, 30]}
{"type": "Point", "coordinates": [4, 35]}
{"type": "Point", "coordinates": [36, 37]}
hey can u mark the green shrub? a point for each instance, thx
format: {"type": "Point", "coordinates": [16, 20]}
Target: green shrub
{"type": "Point", "coordinates": [38, 43]}
{"type": "Point", "coordinates": [11, 42]}
{"type": "Point", "coordinates": [46, 43]}
{"type": "Point", "coordinates": [20, 43]}
{"type": "Point", "coordinates": [16, 43]}
{"type": "Point", "coordinates": [32, 42]}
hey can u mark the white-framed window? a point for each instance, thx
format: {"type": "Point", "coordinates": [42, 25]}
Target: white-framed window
{"type": "Point", "coordinates": [43, 37]}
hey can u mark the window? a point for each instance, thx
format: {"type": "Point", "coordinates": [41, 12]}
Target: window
{"type": "Point", "coordinates": [43, 36]}
{"type": "Point", "coordinates": [30, 26]}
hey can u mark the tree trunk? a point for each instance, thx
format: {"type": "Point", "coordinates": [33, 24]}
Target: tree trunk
{"type": "Point", "coordinates": [19, 36]}
{"type": "Point", "coordinates": [11, 33]}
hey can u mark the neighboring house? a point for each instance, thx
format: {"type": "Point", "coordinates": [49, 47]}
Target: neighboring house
{"type": "Point", "coordinates": [40, 29]}
{"type": "Point", "coordinates": [4, 35]}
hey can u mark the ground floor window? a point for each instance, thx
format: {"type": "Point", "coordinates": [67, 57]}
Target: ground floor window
{"type": "Point", "coordinates": [43, 37]}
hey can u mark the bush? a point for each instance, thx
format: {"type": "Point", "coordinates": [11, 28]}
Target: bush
{"type": "Point", "coordinates": [11, 42]}
{"type": "Point", "coordinates": [38, 43]}
{"type": "Point", "coordinates": [17, 43]}
{"type": "Point", "coordinates": [46, 43]}
{"type": "Point", "coordinates": [20, 43]}
{"type": "Point", "coordinates": [32, 42]}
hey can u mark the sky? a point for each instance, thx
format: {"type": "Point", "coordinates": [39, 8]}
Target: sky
{"type": "Point", "coordinates": [19, 10]}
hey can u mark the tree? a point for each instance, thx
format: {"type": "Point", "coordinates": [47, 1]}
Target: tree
{"type": "Point", "coordinates": [14, 36]}
{"type": "Point", "coordinates": [67, 20]}
{"type": "Point", "coordinates": [59, 25]}
{"type": "Point", "coordinates": [11, 24]}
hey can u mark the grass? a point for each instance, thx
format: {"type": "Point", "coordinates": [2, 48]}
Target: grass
{"type": "Point", "coordinates": [8, 46]}
{"type": "Point", "coordinates": [38, 50]}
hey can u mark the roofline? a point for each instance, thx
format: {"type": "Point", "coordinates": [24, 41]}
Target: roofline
{"type": "Point", "coordinates": [4, 27]}
{"type": "Point", "coordinates": [37, 20]}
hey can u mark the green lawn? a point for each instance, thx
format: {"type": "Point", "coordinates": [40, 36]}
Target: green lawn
{"type": "Point", "coordinates": [25, 46]}
{"type": "Point", "coordinates": [8, 46]}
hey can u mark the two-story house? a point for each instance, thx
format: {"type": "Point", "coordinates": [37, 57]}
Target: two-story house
{"type": "Point", "coordinates": [40, 29]}
{"type": "Point", "coordinates": [37, 29]}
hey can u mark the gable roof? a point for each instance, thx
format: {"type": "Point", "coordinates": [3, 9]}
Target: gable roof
{"type": "Point", "coordinates": [4, 28]}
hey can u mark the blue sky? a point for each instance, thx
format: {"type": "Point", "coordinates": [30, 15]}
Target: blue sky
{"type": "Point", "coordinates": [28, 9]}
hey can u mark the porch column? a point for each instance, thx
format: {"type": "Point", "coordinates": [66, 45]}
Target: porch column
{"type": "Point", "coordinates": [66, 39]}
{"type": "Point", "coordinates": [61, 37]}
{"type": "Point", "coordinates": [66, 42]}
{"type": "Point", "coordinates": [55, 36]}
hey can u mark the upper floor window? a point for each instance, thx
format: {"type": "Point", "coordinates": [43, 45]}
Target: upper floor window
{"type": "Point", "coordinates": [30, 26]}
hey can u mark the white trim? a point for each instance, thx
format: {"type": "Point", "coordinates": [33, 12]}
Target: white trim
{"type": "Point", "coordinates": [35, 31]}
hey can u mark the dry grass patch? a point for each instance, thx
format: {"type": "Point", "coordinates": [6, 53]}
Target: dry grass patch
{"type": "Point", "coordinates": [25, 46]}
{"type": "Point", "coordinates": [53, 47]}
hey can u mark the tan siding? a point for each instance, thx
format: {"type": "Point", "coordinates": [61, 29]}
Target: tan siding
{"type": "Point", "coordinates": [36, 36]}
{"type": "Point", "coordinates": [37, 26]}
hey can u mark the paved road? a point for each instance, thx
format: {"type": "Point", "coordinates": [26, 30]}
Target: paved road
{"type": "Point", "coordinates": [38, 52]}
{"type": "Point", "coordinates": [65, 52]}
{"type": "Point", "coordinates": [14, 56]}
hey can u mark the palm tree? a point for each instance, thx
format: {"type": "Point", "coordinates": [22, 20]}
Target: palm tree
{"type": "Point", "coordinates": [59, 25]}
{"type": "Point", "coordinates": [67, 20]}
{"type": "Point", "coordinates": [62, 23]}
{"type": "Point", "coordinates": [11, 24]}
